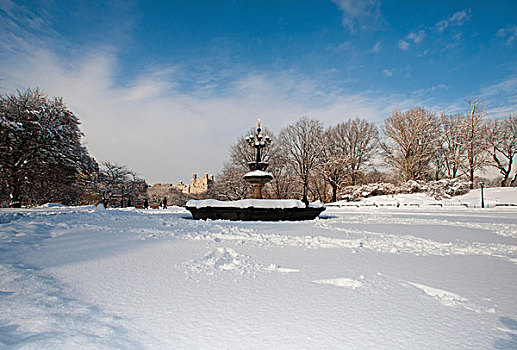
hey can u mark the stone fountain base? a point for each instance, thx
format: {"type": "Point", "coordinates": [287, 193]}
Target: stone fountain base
{"type": "Point", "coordinates": [254, 210]}
{"type": "Point", "coordinates": [257, 179]}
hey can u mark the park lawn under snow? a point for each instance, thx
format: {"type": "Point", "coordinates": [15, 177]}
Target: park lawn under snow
{"type": "Point", "coordinates": [359, 277]}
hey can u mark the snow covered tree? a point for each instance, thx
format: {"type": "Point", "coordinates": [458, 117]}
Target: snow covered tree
{"type": "Point", "coordinates": [502, 140]}
{"type": "Point", "coordinates": [304, 146]}
{"type": "Point", "coordinates": [41, 156]}
{"type": "Point", "coordinates": [410, 142]}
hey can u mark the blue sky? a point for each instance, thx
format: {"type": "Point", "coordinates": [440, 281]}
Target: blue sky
{"type": "Point", "coordinates": [166, 87]}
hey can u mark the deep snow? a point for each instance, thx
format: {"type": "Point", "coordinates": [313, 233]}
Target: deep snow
{"type": "Point", "coordinates": [360, 277]}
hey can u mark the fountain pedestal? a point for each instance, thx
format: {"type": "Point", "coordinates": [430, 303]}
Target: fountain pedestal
{"type": "Point", "coordinates": [257, 179]}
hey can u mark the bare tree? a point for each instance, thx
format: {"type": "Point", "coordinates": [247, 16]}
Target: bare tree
{"type": "Point", "coordinates": [349, 146]}
{"type": "Point", "coordinates": [241, 153]}
{"type": "Point", "coordinates": [303, 144]}
{"type": "Point", "coordinates": [332, 165]}
{"type": "Point", "coordinates": [283, 185]}
{"type": "Point", "coordinates": [475, 138]}
{"type": "Point", "coordinates": [502, 140]}
{"type": "Point", "coordinates": [410, 142]}
{"type": "Point", "coordinates": [452, 143]}
{"type": "Point", "coordinates": [118, 182]}
{"type": "Point", "coordinates": [229, 184]}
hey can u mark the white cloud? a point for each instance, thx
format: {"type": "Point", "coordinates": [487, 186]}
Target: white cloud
{"type": "Point", "coordinates": [509, 33]}
{"type": "Point", "coordinates": [360, 14]}
{"type": "Point", "coordinates": [377, 47]}
{"type": "Point", "coordinates": [416, 37]}
{"type": "Point", "coordinates": [164, 133]}
{"type": "Point", "coordinates": [388, 73]}
{"type": "Point", "coordinates": [345, 46]}
{"type": "Point", "coordinates": [456, 19]}
{"type": "Point", "coordinates": [442, 25]}
{"type": "Point", "coordinates": [459, 18]}
{"type": "Point", "coordinates": [500, 97]}
{"type": "Point", "coordinates": [403, 45]}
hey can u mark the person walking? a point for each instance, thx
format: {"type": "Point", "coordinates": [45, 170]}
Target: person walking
{"type": "Point", "coordinates": [164, 202]}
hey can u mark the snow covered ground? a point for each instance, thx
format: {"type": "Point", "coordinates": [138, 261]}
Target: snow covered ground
{"type": "Point", "coordinates": [406, 277]}
{"type": "Point", "coordinates": [492, 197]}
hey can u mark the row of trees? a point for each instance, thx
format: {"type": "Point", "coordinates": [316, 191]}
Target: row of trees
{"type": "Point", "coordinates": [42, 159]}
{"type": "Point", "coordinates": [308, 160]}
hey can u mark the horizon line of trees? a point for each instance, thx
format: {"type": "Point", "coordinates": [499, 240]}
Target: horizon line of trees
{"type": "Point", "coordinates": [311, 162]}
{"type": "Point", "coordinates": [42, 159]}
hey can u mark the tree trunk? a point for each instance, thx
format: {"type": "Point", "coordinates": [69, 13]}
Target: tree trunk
{"type": "Point", "coordinates": [514, 180]}
{"type": "Point", "coordinates": [334, 193]}
{"type": "Point", "coordinates": [15, 197]}
{"type": "Point", "coordinates": [305, 190]}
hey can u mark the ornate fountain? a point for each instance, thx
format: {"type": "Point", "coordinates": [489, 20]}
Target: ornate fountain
{"type": "Point", "coordinates": [256, 208]}
{"type": "Point", "coordinates": [258, 177]}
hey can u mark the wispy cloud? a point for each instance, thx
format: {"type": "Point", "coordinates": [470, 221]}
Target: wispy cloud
{"type": "Point", "coordinates": [165, 133]}
{"type": "Point", "coordinates": [388, 73]}
{"type": "Point", "coordinates": [360, 14]}
{"type": "Point", "coordinates": [509, 34]}
{"type": "Point", "coordinates": [344, 46]}
{"type": "Point", "coordinates": [500, 98]}
{"type": "Point", "coordinates": [456, 19]}
{"type": "Point", "coordinates": [377, 47]}
{"type": "Point", "coordinates": [415, 37]}
{"type": "Point", "coordinates": [403, 45]}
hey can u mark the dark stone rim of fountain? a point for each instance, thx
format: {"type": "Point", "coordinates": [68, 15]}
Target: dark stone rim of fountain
{"type": "Point", "coordinates": [255, 214]}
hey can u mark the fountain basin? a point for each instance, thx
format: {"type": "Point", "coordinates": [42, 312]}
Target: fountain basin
{"type": "Point", "coordinates": [254, 210]}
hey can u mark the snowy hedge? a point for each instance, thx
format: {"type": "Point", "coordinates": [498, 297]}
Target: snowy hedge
{"type": "Point", "coordinates": [445, 188]}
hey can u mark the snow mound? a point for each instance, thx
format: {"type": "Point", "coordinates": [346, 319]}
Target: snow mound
{"type": "Point", "coordinates": [445, 297]}
{"type": "Point", "coordinates": [227, 259]}
{"type": "Point", "coordinates": [445, 188]}
{"type": "Point", "coordinates": [501, 196]}
{"type": "Point", "coordinates": [52, 205]}
{"type": "Point", "coordinates": [341, 282]}
{"type": "Point", "coordinates": [317, 204]}
{"type": "Point", "coordinates": [224, 259]}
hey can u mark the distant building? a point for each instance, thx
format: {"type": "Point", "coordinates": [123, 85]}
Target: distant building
{"type": "Point", "coordinates": [198, 185]}
{"type": "Point", "coordinates": [178, 194]}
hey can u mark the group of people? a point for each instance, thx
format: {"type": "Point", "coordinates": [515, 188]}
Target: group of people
{"type": "Point", "coordinates": [163, 203]}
